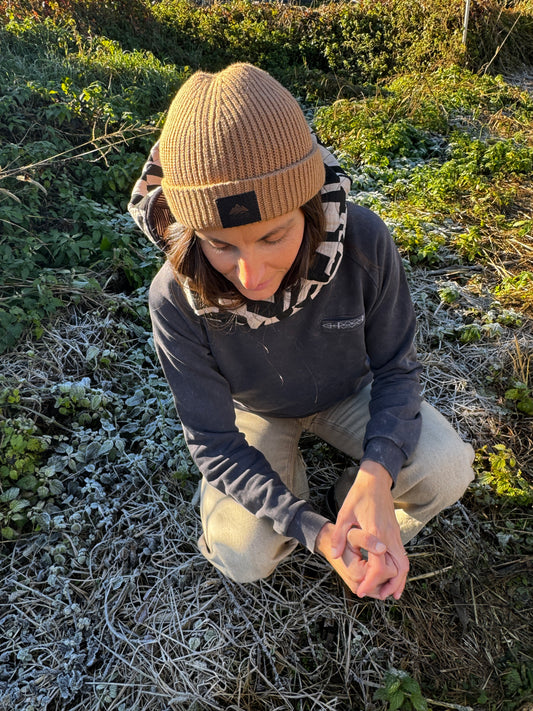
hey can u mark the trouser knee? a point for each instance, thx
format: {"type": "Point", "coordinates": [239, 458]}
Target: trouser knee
{"type": "Point", "coordinates": [245, 568]}
{"type": "Point", "coordinates": [438, 480]}
{"type": "Point", "coordinates": [457, 475]}
{"type": "Point", "coordinates": [243, 547]}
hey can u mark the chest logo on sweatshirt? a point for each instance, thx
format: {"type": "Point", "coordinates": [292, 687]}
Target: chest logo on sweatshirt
{"type": "Point", "coordinates": [343, 324]}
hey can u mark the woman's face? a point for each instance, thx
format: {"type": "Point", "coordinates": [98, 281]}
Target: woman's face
{"type": "Point", "coordinates": [256, 257]}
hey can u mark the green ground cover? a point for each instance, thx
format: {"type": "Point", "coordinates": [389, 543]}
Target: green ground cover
{"type": "Point", "coordinates": [105, 601]}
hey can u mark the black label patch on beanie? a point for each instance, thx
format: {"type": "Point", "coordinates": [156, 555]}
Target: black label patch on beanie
{"type": "Point", "coordinates": [238, 210]}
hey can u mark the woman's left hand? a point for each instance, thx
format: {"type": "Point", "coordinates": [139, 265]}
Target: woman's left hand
{"type": "Point", "coordinates": [369, 506]}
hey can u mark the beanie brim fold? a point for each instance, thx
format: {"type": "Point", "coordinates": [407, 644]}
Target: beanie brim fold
{"type": "Point", "coordinates": [250, 200]}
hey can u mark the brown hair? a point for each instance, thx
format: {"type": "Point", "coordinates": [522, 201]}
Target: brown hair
{"type": "Point", "coordinates": [188, 260]}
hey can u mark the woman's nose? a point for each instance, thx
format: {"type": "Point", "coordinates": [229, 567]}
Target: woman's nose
{"type": "Point", "coordinates": [250, 272]}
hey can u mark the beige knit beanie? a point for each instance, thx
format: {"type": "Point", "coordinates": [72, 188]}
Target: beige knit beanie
{"type": "Point", "coordinates": [236, 149]}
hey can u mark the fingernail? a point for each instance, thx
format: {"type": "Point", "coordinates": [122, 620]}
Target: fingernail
{"type": "Point", "coordinates": [380, 547]}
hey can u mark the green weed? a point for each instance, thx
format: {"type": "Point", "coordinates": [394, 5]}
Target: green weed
{"type": "Point", "coordinates": [521, 391]}
{"type": "Point", "coordinates": [500, 476]}
{"type": "Point", "coordinates": [400, 691]}
{"type": "Point", "coordinates": [522, 396]}
{"type": "Point", "coordinates": [457, 148]}
{"type": "Point", "coordinates": [22, 447]}
{"type": "Point", "coordinates": [516, 290]}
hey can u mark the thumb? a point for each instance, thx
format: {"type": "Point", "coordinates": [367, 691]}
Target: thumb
{"type": "Point", "coordinates": [339, 538]}
{"type": "Point", "coordinates": [356, 538]}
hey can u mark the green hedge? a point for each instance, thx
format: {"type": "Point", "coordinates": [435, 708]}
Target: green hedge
{"type": "Point", "coordinates": [321, 50]}
{"type": "Point", "coordinates": [77, 118]}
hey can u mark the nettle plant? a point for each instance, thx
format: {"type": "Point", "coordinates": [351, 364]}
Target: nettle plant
{"type": "Point", "coordinates": [499, 477]}
{"type": "Point", "coordinates": [401, 691]}
{"type": "Point", "coordinates": [32, 478]}
{"type": "Point", "coordinates": [22, 447]}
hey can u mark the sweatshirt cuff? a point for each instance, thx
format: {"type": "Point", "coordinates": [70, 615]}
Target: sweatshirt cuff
{"type": "Point", "coordinates": [385, 452]}
{"type": "Point", "coordinates": [306, 526]}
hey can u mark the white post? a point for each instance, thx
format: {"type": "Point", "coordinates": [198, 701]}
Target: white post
{"type": "Point", "coordinates": [465, 23]}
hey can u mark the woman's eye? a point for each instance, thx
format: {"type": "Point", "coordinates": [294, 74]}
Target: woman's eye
{"type": "Point", "coordinates": [274, 240]}
{"type": "Point", "coordinates": [219, 246]}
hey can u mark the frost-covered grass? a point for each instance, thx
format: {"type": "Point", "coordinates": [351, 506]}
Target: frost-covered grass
{"type": "Point", "coordinates": [110, 605]}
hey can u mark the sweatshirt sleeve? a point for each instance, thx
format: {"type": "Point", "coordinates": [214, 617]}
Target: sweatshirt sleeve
{"type": "Point", "coordinates": [206, 410]}
{"type": "Point", "coordinates": [395, 421]}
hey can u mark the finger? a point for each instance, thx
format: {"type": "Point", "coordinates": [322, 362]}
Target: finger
{"type": "Point", "coordinates": [396, 585]}
{"type": "Point", "coordinates": [379, 571]}
{"type": "Point", "coordinates": [404, 565]}
{"type": "Point", "coordinates": [359, 539]}
{"type": "Point", "coordinates": [355, 572]}
{"type": "Point", "coordinates": [339, 538]}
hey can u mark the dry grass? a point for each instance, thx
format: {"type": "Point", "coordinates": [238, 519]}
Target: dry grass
{"type": "Point", "coordinates": [142, 622]}
{"type": "Point", "coordinates": [160, 629]}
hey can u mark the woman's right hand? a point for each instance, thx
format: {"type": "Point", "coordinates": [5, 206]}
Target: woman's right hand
{"type": "Point", "coordinates": [354, 565]}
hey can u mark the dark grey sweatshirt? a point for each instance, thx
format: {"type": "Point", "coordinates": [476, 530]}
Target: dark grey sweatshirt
{"type": "Point", "coordinates": [358, 329]}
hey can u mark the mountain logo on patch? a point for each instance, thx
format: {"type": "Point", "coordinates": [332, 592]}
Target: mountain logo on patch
{"type": "Point", "coordinates": [238, 210]}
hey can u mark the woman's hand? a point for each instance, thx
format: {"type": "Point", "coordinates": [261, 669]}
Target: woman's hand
{"type": "Point", "coordinates": [369, 507]}
{"type": "Point", "coordinates": [364, 558]}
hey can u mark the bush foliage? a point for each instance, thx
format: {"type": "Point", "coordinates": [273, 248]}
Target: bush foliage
{"type": "Point", "coordinates": [320, 47]}
{"type": "Point", "coordinates": [77, 116]}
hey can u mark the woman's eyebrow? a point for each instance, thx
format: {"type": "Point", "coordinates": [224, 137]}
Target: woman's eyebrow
{"type": "Point", "coordinates": [284, 226]}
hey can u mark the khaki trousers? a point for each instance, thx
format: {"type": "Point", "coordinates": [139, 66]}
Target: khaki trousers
{"type": "Point", "coordinates": [245, 548]}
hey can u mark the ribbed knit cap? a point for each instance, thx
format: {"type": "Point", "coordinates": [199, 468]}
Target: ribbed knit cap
{"type": "Point", "coordinates": [236, 149]}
